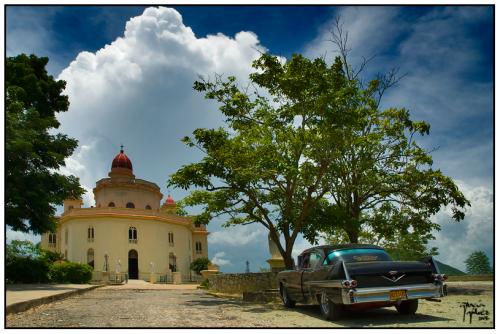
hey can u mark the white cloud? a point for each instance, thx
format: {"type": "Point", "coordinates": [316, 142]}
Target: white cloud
{"type": "Point", "coordinates": [369, 29]}
{"type": "Point", "coordinates": [457, 240]}
{"type": "Point", "coordinates": [238, 235]}
{"type": "Point", "coordinates": [219, 260]}
{"type": "Point", "coordinates": [17, 235]}
{"type": "Point", "coordinates": [138, 91]}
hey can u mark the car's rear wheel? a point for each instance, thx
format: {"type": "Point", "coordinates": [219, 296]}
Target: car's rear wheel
{"type": "Point", "coordinates": [408, 306]}
{"type": "Point", "coordinates": [286, 298]}
{"type": "Point", "coordinates": [329, 310]}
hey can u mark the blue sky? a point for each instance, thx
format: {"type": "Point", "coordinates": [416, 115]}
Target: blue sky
{"type": "Point", "coordinates": [129, 76]}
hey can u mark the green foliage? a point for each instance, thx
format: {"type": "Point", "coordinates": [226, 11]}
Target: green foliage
{"type": "Point", "coordinates": [51, 256]}
{"type": "Point", "coordinates": [204, 283]}
{"type": "Point", "coordinates": [381, 180]}
{"type": "Point", "coordinates": [478, 264]}
{"type": "Point", "coordinates": [21, 248]}
{"type": "Point", "coordinates": [33, 151]}
{"type": "Point", "coordinates": [401, 247]}
{"type": "Point", "coordinates": [70, 272]}
{"type": "Point", "coordinates": [199, 264]}
{"type": "Point", "coordinates": [270, 167]}
{"type": "Point", "coordinates": [26, 263]}
{"type": "Point", "coordinates": [27, 270]}
{"type": "Point", "coordinates": [318, 156]}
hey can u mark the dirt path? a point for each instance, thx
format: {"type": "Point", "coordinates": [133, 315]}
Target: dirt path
{"type": "Point", "coordinates": [195, 308]}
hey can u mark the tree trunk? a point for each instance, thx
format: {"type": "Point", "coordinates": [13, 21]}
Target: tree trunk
{"type": "Point", "coordinates": [353, 236]}
{"type": "Point", "coordinates": [289, 263]}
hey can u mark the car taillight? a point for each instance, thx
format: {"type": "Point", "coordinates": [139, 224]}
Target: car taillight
{"type": "Point", "coordinates": [440, 277]}
{"type": "Point", "coordinates": [350, 283]}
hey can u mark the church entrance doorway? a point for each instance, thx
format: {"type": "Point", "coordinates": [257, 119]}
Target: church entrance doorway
{"type": "Point", "coordinates": [133, 264]}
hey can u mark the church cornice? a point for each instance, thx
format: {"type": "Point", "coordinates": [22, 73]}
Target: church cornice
{"type": "Point", "coordinates": [106, 183]}
{"type": "Point", "coordinates": [86, 213]}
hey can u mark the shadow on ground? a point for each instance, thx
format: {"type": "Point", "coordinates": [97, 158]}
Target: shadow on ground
{"type": "Point", "coordinates": [367, 318]}
{"type": "Point", "coordinates": [36, 287]}
{"type": "Point", "coordinates": [210, 301]}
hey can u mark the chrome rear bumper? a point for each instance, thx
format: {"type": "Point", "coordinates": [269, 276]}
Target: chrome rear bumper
{"type": "Point", "coordinates": [382, 294]}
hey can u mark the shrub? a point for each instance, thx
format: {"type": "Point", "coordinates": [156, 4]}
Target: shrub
{"type": "Point", "coordinates": [70, 272]}
{"type": "Point", "coordinates": [24, 263]}
{"type": "Point", "coordinates": [199, 264]}
{"type": "Point", "coordinates": [204, 283]}
{"type": "Point", "coordinates": [50, 256]}
{"type": "Point", "coordinates": [26, 270]}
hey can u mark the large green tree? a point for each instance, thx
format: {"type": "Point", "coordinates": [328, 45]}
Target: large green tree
{"type": "Point", "coordinates": [382, 187]}
{"type": "Point", "coordinates": [269, 165]}
{"type": "Point", "coordinates": [33, 150]}
{"type": "Point", "coordinates": [318, 156]}
{"type": "Point", "coordinates": [478, 263]}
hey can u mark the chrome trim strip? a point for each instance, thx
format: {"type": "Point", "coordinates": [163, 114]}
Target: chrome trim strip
{"type": "Point", "coordinates": [325, 283]}
{"type": "Point", "coordinates": [394, 280]}
{"type": "Point", "coordinates": [347, 277]}
{"type": "Point", "coordinates": [366, 295]}
{"type": "Point", "coordinates": [435, 266]}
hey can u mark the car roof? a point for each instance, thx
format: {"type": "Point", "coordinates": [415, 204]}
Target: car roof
{"type": "Point", "coordinates": [341, 246]}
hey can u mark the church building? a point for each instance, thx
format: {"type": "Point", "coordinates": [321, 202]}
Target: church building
{"type": "Point", "coordinates": [129, 230]}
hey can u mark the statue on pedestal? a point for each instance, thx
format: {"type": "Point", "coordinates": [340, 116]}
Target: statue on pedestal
{"type": "Point", "coordinates": [118, 267]}
{"type": "Point", "coordinates": [276, 262]}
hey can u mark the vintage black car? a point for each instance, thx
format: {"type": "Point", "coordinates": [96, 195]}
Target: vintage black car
{"type": "Point", "coordinates": [354, 276]}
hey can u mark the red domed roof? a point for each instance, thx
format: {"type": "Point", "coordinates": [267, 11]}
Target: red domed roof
{"type": "Point", "coordinates": [121, 161]}
{"type": "Point", "coordinates": [169, 200]}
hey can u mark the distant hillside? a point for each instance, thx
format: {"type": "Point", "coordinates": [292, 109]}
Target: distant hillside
{"type": "Point", "coordinates": [449, 270]}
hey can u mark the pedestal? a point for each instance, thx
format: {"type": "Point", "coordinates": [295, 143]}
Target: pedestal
{"type": "Point", "coordinates": [105, 276]}
{"type": "Point", "coordinates": [152, 278]}
{"type": "Point", "coordinates": [276, 264]}
{"type": "Point", "coordinates": [208, 273]}
{"type": "Point", "coordinates": [176, 278]}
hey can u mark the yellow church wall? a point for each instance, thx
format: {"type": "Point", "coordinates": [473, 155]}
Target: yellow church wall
{"type": "Point", "coordinates": [111, 227]}
{"type": "Point", "coordinates": [204, 245]}
{"type": "Point", "coordinates": [111, 237]}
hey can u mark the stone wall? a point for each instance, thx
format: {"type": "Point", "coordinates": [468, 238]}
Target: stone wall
{"type": "Point", "coordinates": [239, 283]}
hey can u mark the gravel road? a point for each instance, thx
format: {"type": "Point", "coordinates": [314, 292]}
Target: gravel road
{"type": "Point", "coordinates": [195, 308]}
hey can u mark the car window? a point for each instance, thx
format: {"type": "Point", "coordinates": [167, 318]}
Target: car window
{"type": "Point", "coordinates": [356, 255]}
{"type": "Point", "coordinates": [314, 260]}
{"type": "Point", "coordinates": [304, 261]}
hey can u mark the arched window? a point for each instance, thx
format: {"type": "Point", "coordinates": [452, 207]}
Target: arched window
{"type": "Point", "coordinates": [52, 239]}
{"type": "Point", "coordinates": [90, 257]}
{"type": "Point", "coordinates": [111, 205]}
{"type": "Point", "coordinates": [132, 235]}
{"type": "Point", "coordinates": [198, 247]}
{"type": "Point", "coordinates": [130, 205]}
{"type": "Point", "coordinates": [70, 207]}
{"type": "Point", "coordinates": [66, 236]}
{"type": "Point", "coordinates": [172, 262]}
{"type": "Point", "coordinates": [148, 207]}
{"type": "Point", "coordinates": [90, 234]}
{"type": "Point", "coordinates": [171, 238]}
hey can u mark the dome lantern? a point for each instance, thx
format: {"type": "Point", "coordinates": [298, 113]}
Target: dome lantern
{"type": "Point", "coordinates": [121, 165]}
{"type": "Point", "coordinates": [169, 205]}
